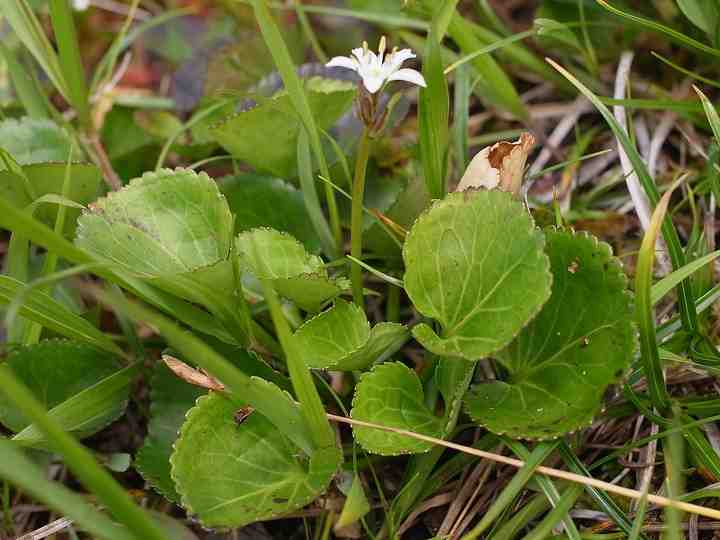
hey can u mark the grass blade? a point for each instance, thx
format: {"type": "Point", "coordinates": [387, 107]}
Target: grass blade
{"type": "Point", "coordinates": [434, 107]}
{"type": "Point", "coordinates": [551, 492]}
{"type": "Point", "coordinates": [662, 29]}
{"type": "Point", "coordinates": [25, 85]}
{"type": "Point", "coordinates": [310, 196]}
{"type": "Point", "coordinates": [493, 84]}
{"type": "Point", "coordinates": [28, 29]}
{"type": "Point", "coordinates": [557, 514]}
{"type": "Point", "coordinates": [711, 112]}
{"type": "Point", "coordinates": [644, 313]}
{"type": "Point", "coordinates": [40, 307]}
{"type": "Point", "coordinates": [604, 502]}
{"type": "Point", "coordinates": [513, 489]}
{"type": "Point", "coordinates": [677, 255]}
{"type": "Point", "coordinates": [669, 282]}
{"type": "Point", "coordinates": [63, 24]}
{"type": "Point", "coordinates": [81, 461]}
{"type": "Point", "coordinates": [29, 477]}
{"type": "Point", "coordinates": [283, 61]}
{"type": "Point", "coordinates": [461, 114]}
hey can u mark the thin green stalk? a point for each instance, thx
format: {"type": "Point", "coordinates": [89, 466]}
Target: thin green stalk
{"type": "Point", "coordinates": [81, 461]}
{"type": "Point", "coordinates": [309, 32]}
{"type": "Point", "coordinates": [283, 61]}
{"type": "Point", "coordinates": [514, 487]}
{"type": "Point", "coordinates": [461, 112]}
{"type": "Point", "coordinates": [557, 514]}
{"type": "Point", "coordinates": [61, 15]}
{"type": "Point", "coordinates": [33, 331]}
{"type": "Point", "coordinates": [356, 218]}
{"type": "Point", "coordinates": [529, 511]}
{"type": "Point", "coordinates": [392, 309]}
{"type": "Point", "coordinates": [26, 88]}
{"type": "Point", "coordinates": [311, 405]}
{"type": "Point", "coordinates": [548, 488]}
{"type": "Point", "coordinates": [674, 452]}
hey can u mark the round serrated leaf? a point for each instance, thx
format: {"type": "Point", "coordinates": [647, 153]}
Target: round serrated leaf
{"type": "Point", "coordinates": [266, 201]}
{"type": "Point", "coordinates": [55, 371]}
{"type": "Point", "coordinates": [295, 274]}
{"type": "Point", "coordinates": [332, 335]}
{"type": "Point", "coordinates": [35, 140]}
{"type": "Point", "coordinates": [266, 135]}
{"type": "Point", "coordinates": [340, 338]}
{"type": "Point", "coordinates": [475, 262]}
{"type": "Point", "coordinates": [391, 395]}
{"type": "Point", "coordinates": [561, 364]}
{"type": "Point", "coordinates": [171, 398]}
{"type": "Point", "coordinates": [46, 179]}
{"type": "Point", "coordinates": [162, 224]}
{"type": "Point", "coordinates": [230, 474]}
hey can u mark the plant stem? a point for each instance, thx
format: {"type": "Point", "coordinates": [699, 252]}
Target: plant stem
{"type": "Point", "coordinates": [81, 461]}
{"type": "Point", "coordinates": [311, 406]}
{"type": "Point", "coordinates": [356, 219]}
{"type": "Point", "coordinates": [393, 304]}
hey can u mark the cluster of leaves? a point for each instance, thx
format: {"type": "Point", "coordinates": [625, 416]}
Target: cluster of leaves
{"type": "Point", "coordinates": [551, 307]}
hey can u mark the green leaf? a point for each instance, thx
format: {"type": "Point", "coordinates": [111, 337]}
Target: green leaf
{"type": "Point", "coordinates": [474, 262]}
{"type": "Point", "coordinates": [88, 411]}
{"type": "Point", "coordinates": [55, 371]}
{"type": "Point", "coordinates": [45, 179]}
{"type": "Point", "coordinates": [704, 15]}
{"type": "Point", "coordinates": [340, 339]}
{"type": "Point", "coordinates": [392, 395]}
{"type": "Point", "coordinates": [171, 399]}
{"type": "Point", "coordinates": [265, 201]}
{"type": "Point", "coordinates": [33, 140]}
{"type": "Point", "coordinates": [43, 309]}
{"type": "Point", "coordinates": [452, 379]}
{"type": "Point", "coordinates": [295, 274]}
{"type": "Point", "coordinates": [266, 135]}
{"type": "Point", "coordinates": [356, 504]}
{"type": "Point", "coordinates": [164, 223]}
{"type": "Point", "coordinates": [232, 473]}
{"type": "Point", "coordinates": [562, 362]}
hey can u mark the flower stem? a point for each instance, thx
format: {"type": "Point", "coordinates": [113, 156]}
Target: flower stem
{"type": "Point", "coordinates": [356, 219]}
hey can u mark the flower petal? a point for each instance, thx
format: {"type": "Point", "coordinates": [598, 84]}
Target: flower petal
{"type": "Point", "coordinates": [373, 83]}
{"type": "Point", "coordinates": [343, 62]}
{"type": "Point", "coordinates": [398, 58]}
{"type": "Point", "coordinates": [408, 75]}
{"type": "Point", "coordinates": [359, 53]}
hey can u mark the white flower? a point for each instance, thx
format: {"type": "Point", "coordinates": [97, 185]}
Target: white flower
{"type": "Point", "coordinates": [378, 69]}
{"type": "Point", "coordinates": [80, 5]}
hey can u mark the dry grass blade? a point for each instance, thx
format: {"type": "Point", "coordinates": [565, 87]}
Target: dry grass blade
{"type": "Point", "coordinates": [556, 473]}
